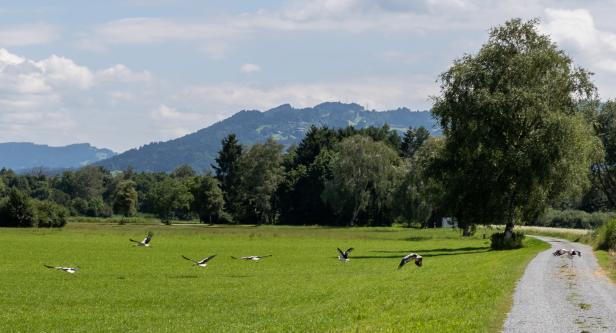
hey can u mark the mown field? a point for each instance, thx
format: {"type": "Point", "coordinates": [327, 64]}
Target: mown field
{"type": "Point", "coordinates": [462, 287]}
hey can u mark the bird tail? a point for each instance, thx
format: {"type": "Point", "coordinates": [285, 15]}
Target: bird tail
{"type": "Point", "coordinates": [187, 258]}
{"type": "Point", "coordinates": [233, 257]}
{"type": "Point", "coordinates": [48, 266]}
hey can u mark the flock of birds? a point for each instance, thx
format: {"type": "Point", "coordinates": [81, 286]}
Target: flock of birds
{"type": "Point", "coordinates": [342, 256]}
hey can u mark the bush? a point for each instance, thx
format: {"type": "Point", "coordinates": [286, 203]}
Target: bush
{"type": "Point", "coordinates": [571, 218]}
{"type": "Point", "coordinates": [605, 236]}
{"type": "Point", "coordinates": [500, 243]}
{"type": "Point", "coordinates": [17, 210]}
{"type": "Point", "coordinates": [49, 215]}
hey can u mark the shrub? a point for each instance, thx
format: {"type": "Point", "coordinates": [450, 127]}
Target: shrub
{"type": "Point", "coordinates": [571, 218]}
{"type": "Point", "coordinates": [49, 214]}
{"type": "Point", "coordinates": [499, 242]}
{"type": "Point", "coordinates": [605, 236]}
{"type": "Point", "coordinates": [17, 210]}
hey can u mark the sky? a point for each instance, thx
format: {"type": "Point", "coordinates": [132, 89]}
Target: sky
{"type": "Point", "coordinates": [120, 74]}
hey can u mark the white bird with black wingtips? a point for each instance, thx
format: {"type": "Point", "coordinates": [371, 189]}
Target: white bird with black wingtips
{"type": "Point", "coordinates": [574, 252]}
{"type": "Point", "coordinates": [411, 256]}
{"type": "Point", "coordinates": [571, 253]}
{"type": "Point", "coordinates": [253, 258]}
{"type": "Point", "coordinates": [71, 270]}
{"type": "Point", "coordinates": [202, 262]}
{"type": "Point", "coordinates": [145, 242]}
{"type": "Point", "coordinates": [344, 255]}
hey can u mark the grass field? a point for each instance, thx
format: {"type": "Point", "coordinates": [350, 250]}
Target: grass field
{"type": "Point", "coordinates": [574, 235]}
{"type": "Point", "coordinates": [462, 287]}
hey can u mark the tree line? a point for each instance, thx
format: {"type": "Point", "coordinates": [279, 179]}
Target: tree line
{"type": "Point", "coordinates": [332, 177]}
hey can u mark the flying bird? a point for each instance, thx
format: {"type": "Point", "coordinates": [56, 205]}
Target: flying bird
{"type": "Point", "coordinates": [71, 270]}
{"type": "Point", "coordinates": [411, 256]}
{"type": "Point", "coordinates": [344, 255]}
{"type": "Point", "coordinates": [202, 262]}
{"type": "Point", "coordinates": [145, 242]}
{"type": "Point", "coordinates": [253, 258]}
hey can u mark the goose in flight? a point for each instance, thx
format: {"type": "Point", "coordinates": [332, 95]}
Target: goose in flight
{"type": "Point", "coordinates": [202, 262]}
{"type": "Point", "coordinates": [145, 242]}
{"type": "Point", "coordinates": [71, 270]}
{"type": "Point", "coordinates": [344, 255]}
{"type": "Point", "coordinates": [253, 258]}
{"type": "Point", "coordinates": [411, 256]}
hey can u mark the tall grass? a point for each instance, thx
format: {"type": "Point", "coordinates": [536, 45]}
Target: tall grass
{"type": "Point", "coordinates": [571, 218]}
{"type": "Point", "coordinates": [605, 236]}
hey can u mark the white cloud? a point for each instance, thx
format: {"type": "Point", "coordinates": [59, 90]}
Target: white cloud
{"type": "Point", "coordinates": [56, 101]}
{"type": "Point", "coordinates": [377, 93]}
{"type": "Point", "coordinates": [576, 29]}
{"type": "Point", "coordinates": [22, 35]}
{"type": "Point", "coordinates": [320, 15]}
{"type": "Point", "coordinates": [250, 68]}
{"type": "Point", "coordinates": [122, 73]}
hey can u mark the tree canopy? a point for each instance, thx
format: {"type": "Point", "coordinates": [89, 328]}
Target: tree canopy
{"type": "Point", "coordinates": [515, 139]}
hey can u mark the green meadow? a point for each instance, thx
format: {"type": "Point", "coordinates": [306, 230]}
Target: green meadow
{"type": "Point", "coordinates": [462, 286]}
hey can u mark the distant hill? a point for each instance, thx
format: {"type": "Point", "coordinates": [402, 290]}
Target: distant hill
{"type": "Point", "coordinates": [285, 123]}
{"type": "Point", "coordinates": [21, 156]}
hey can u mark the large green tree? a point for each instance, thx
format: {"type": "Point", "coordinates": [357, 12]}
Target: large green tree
{"type": "Point", "coordinates": [125, 202]}
{"type": "Point", "coordinates": [363, 173]}
{"type": "Point", "coordinates": [413, 139]}
{"type": "Point", "coordinates": [226, 168]}
{"type": "Point", "coordinates": [299, 194]}
{"type": "Point", "coordinates": [515, 139]}
{"type": "Point", "coordinates": [261, 172]}
{"type": "Point", "coordinates": [605, 171]}
{"type": "Point", "coordinates": [208, 200]}
{"type": "Point", "coordinates": [170, 198]}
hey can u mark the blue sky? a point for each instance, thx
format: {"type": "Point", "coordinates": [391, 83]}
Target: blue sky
{"type": "Point", "coordinates": [120, 74]}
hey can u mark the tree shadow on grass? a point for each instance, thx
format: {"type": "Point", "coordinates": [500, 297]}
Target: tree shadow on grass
{"type": "Point", "coordinates": [427, 253]}
{"type": "Point", "coordinates": [183, 276]}
{"type": "Point", "coordinates": [456, 249]}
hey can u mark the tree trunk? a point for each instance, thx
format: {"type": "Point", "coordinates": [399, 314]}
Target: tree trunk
{"type": "Point", "coordinates": [354, 217]}
{"type": "Point", "coordinates": [510, 223]}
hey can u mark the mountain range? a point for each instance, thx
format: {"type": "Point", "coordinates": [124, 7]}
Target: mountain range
{"type": "Point", "coordinates": [23, 156]}
{"type": "Point", "coordinates": [284, 123]}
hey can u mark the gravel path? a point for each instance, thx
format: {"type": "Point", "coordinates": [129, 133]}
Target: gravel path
{"type": "Point", "coordinates": [562, 295]}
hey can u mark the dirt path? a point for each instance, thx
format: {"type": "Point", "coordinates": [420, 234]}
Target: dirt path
{"type": "Point", "coordinates": [562, 294]}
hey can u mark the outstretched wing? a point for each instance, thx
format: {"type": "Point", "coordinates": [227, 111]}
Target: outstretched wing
{"type": "Point", "coordinates": [349, 250]}
{"type": "Point", "coordinates": [402, 263]}
{"type": "Point", "coordinates": [148, 238]}
{"type": "Point", "coordinates": [209, 258]}
{"type": "Point", "coordinates": [188, 259]}
{"type": "Point", "coordinates": [340, 251]}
